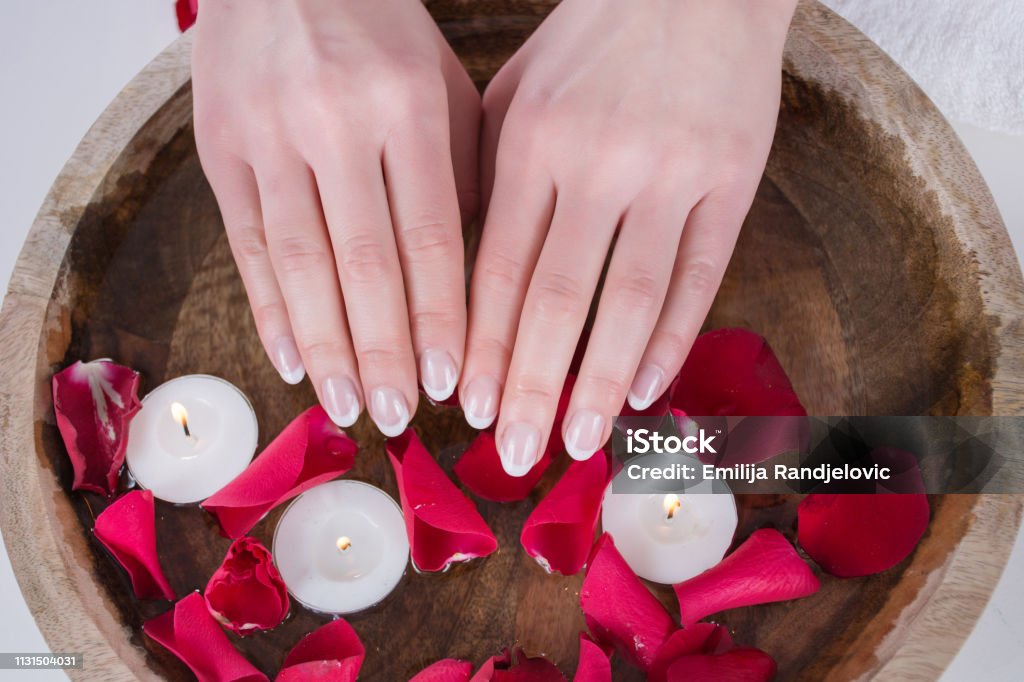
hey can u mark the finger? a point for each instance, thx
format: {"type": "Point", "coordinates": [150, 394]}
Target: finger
{"type": "Point", "coordinates": [425, 212]}
{"type": "Point", "coordinates": [704, 251]}
{"type": "Point", "coordinates": [356, 206]}
{"type": "Point", "coordinates": [464, 124]}
{"type": "Point", "coordinates": [553, 314]}
{"type": "Point", "coordinates": [234, 185]}
{"type": "Point", "coordinates": [516, 223]}
{"type": "Point", "coordinates": [631, 301]}
{"type": "Point", "coordinates": [300, 251]}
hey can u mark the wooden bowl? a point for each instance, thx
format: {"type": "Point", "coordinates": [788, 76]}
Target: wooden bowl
{"type": "Point", "coordinates": [874, 261]}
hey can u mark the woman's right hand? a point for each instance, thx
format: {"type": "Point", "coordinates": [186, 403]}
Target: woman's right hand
{"type": "Point", "coordinates": [340, 141]}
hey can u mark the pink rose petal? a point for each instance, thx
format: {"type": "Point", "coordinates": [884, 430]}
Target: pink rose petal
{"type": "Point", "coordinates": [94, 402]}
{"type": "Point", "coordinates": [593, 665]}
{"type": "Point", "coordinates": [855, 535]}
{"type": "Point", "coordinates": [189, 632]}
{"type": "Point", "coordinates": [515, 666]}
{"type": "Point", "coordinates": [127, 528]}
{"type": "Point", "coordinates": [443, 524]}
{"type": "Point", "coordinates": [445, 670]}
{"type": "Point", "coordinates": [311, 450]}
{"type": "Point", "coordinates": [246, 593]}
{"type": "Point", "coordinates": [739, 665]}
{"type": "Point", "coordinates": [763, 569]}
{"type": "Point", "coordinates": [186, 11]}
{"type": "Point", "coordinates": [733, 372]}
{"type": "Point", "coordinates": [559, 533]}
{"type": "Point", "coordinates": [699, 638]}
{"type": "Point", "coordinates": [331, 653]}
{"type": "Point", "coordinates": [619, 610]}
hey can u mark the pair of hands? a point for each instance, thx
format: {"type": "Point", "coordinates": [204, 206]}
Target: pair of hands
{"type": "Point", "coordinates": [346, 148]}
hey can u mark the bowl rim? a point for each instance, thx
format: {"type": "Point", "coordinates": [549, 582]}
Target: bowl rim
{"type": "Point", "coordinates": [56, 582]}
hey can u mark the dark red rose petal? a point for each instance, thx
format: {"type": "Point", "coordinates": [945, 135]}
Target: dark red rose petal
{"type": "Point", "coordinates": [855, 535]}
{"type": "Point", "coordinates": [515, 666]}
{"type": "Point", "coordinates": [332, 653]}
{"type": "Point", "coordinates": [445, 670]}
{"type": "Point", "coordinates": [699, 638]}
{"type": "Point", "coordinates": [738, 665]}
{"type": "Point", "coordinates": [559, 532]}
{"type": "Point", "coordinates": [246, 593]}
{"type": "Point", "coordinates": [733, 372]}
{"type": "Point", "coordinates": [186, 12]}
{"type": "Point", "coordinates": [94, 402]}
{"type": "Point", "coordinates": [127, 528]}
{"type": "Point", "coordinates": [443, 524]}
{"type": "Point", "coordinates": [763, 569]}
{"type": "Point", "coordinates": [189, 632]}
{"type": "Point", "coordinates": [593, 665]}
{"type": "Point", "coordinates": [310, 451]}
{"type": "Point", "coordinates": [619, 610]}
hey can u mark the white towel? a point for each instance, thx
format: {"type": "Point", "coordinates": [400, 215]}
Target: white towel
{"type": "Point", "coordinates": [967, 55]}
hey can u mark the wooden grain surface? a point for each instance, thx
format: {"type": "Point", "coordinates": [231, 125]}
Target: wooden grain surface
{"type": "Point", "coordinates": [874, 261]}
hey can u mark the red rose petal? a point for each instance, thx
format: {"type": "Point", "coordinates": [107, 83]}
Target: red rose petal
{"type": "Point", "coordinates": [332, 653]}
{"type": "Point", "coordinates": [94, 402]}
{"type": "Point", "coordinates": [733, 372]}
{"type": "Point", "coordinates": [855, 535]}
{"type": "Point", "coordinates": [619, 610]}
{"type": "Point", "coordinates": [765, 568]}
{"type": "Point", "coordinates": [445, 670]}
{"type": "Point", "coordinates": [246, 593]}
{"type": "Point", "coordinates": [186, 11]}
{"type": "Point", "coordinates": [189, 632]}
{"type": "Point", "coordinates": [127, 528]}
{"type": "Point", "coordinates": [593, 665]}
{"type": "Point", "coordinates": [699, 638]}
{"type": "Point", "coordinates": [559, 532]}
{"type": "Point", "coordinates": [311, 450]}
{"type": "Point", "coordinates": [745, 664]}
{"type": "Point", "coordinates": [515, 666]}
{"type": "Point", "coordinates": [443, 524]}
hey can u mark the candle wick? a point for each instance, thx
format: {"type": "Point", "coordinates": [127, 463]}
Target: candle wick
{"type": "Point", "coordinates": [184, 425]}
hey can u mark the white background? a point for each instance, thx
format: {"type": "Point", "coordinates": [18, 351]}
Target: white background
{"type": "Point", "coordinates": [64, 60]}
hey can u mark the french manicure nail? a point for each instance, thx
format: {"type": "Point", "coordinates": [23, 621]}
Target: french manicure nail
{"type": "Point", "coordinates": [340, 401]}
{"type": "Point", "coordinates": [480, 402]}
{"type": "Point", "coordinates": [438, 374]}
{"type": "Point", "coordinates": [388, 411]}
{"type": "Point", "coordinates": [585, 434]}
{"type": "Point", "coordinates": [519, 447]}
{"type": "Point", "coordinates": [647, 386]}
{"type": "Point", "coordinates": [288, 361]}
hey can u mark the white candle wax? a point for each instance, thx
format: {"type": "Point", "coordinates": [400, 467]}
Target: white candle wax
{"type": "Point", "coordinates": [191, 437]}
{"type": "Point", "coordinates": [670, 538]}
{"type": "Point", "coordinates": [341, 547]}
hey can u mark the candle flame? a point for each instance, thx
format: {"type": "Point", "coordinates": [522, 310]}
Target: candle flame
{"type": "Point", "coordinates": [671, 504]}
{"type": "Point", "coordinates": [180, 415]}
{"type": "Point", "coordinates": [343, 543]}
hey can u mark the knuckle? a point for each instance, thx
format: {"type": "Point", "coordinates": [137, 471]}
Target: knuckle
{"type": "Point", "coordinates": [701, 276]}
{"type": "Point", "coordinates": [378, 358]}
{"type": "Point", "coordinates": [249, 243]}
{"type": "Point", "coordinates": [299, 255]}
{"type": "Point", "coordinates": [269, 313]}
{"type": "Point", "coordinates": [494, 349]}
{"type": "Point", "coordinates": [314, 349]}
{"type": "Point", "coordinates": [533, 390]}
{"type": "Point", "coordinates": [604, 387]}
{"type": "Point", "coordinates": [556, 296]}
{"type": "Point", "coordinates": [363, 258]}
{"type": "Point", "coordinates": [639, 290]}
{"type": "Point", "coordinates": [502, 271]}
{"type": "Point", "coordinates": [674, 343]}
{"type": "Point", "coordinates": [434, 319]}
{"type": "Point", "coordinates": [429, 239]}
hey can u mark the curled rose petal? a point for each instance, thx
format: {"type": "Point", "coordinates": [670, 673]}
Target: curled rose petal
{"type": "Point", "coordinates": [186, 11]}
{"type": "Point", "coordinates": [593, 664]}
{"type": "Point", "coordinates": [733, 372]}
{"type": "Point", "coordinates": [559, 532]}
{"type": "Point", "coordinates": [699, 638]}
{"type": "Point", "coordinates": [443, 524]}
{"type": "Point", "coordinates": [246, 593]}
{"type": "Point", "coordinates": [332, 653]}
{"type": "Point", "coordinates": [127, 528]}
{"type": "Point", "coordinates": [94, 402]}
{"type": "Point", "coordinates": [189, 632]}
{"type": "Point", "coordinates": [745, 663]}
{"type": "Point", "coordinates": [619, 610]}
{"type": "Point", "coordinates": [311, 450]}
{"type": "Point", "coordinates": [765, 568]}
{"type": "Point", "coordinates": [445, 670]}
{"type": "Point", "coordinates": [855, 535]}
{"type": "Point", "coordinates": [515, 666]}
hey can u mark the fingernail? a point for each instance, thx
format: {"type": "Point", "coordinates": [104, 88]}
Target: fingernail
{"type": "Point", "coordinates": [480, 402]}
{"type": "Point", "coordinates": [646, 387]}
{"type": "Point", "coordinates": [340, 401]}
{"type": "Point", "coordinates": [288, 361]}
{"type": "Point", "coordinates": [388, 411]}
{"type": "Point", "coordinates": [519, 447]}
{"type": "Point", "coordinates": [585, 434]}
{"type": "Point", "coordinates": [438, 374]}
